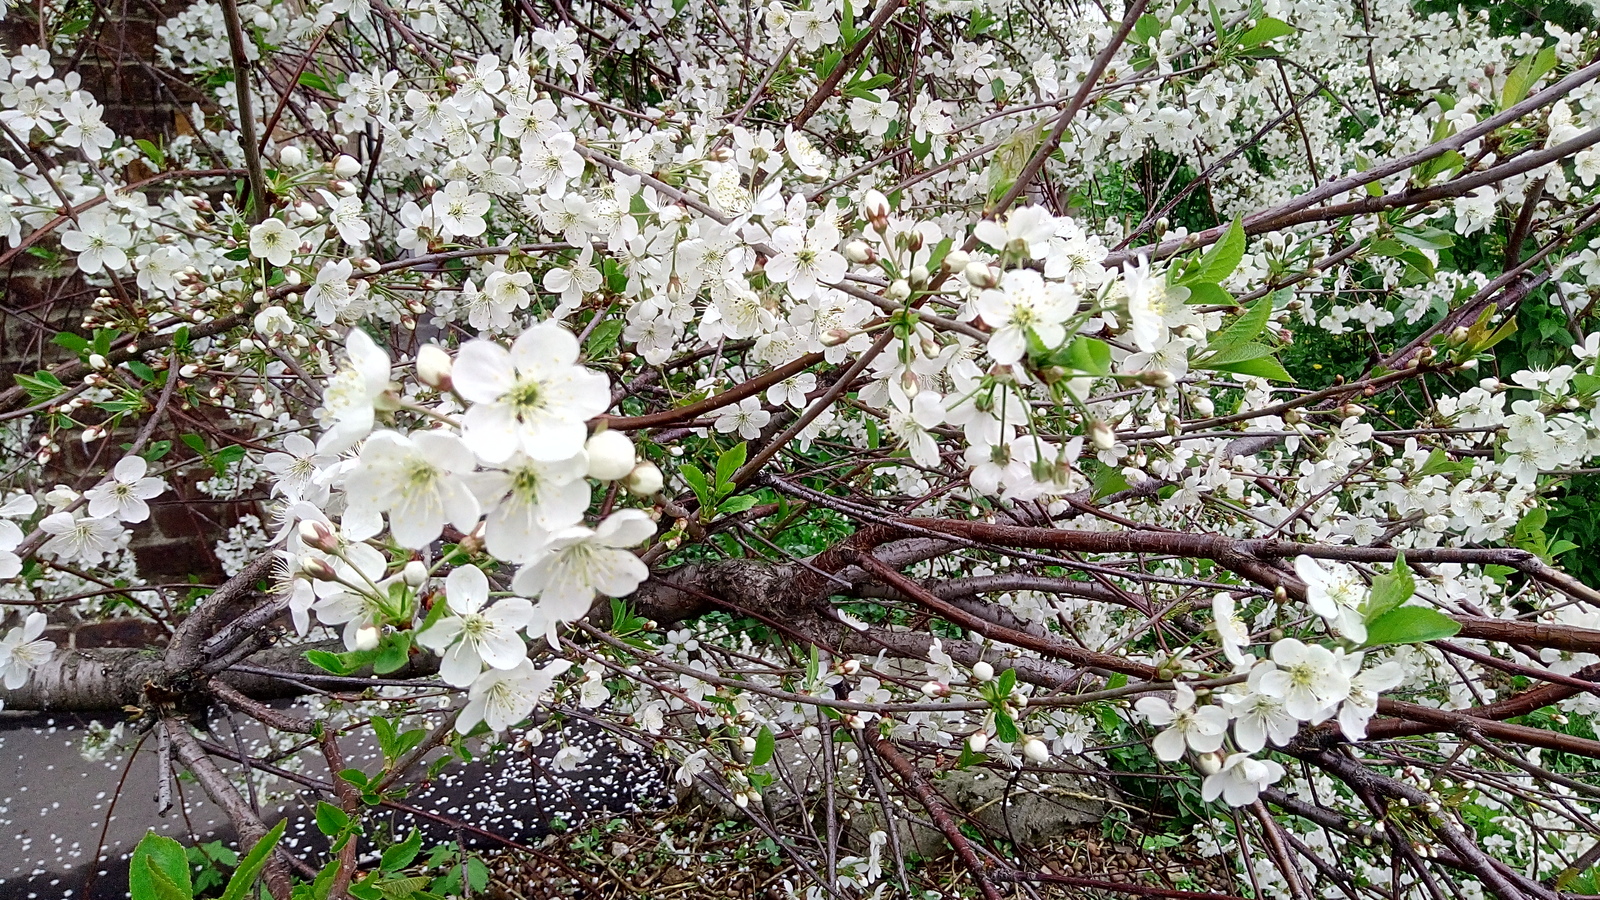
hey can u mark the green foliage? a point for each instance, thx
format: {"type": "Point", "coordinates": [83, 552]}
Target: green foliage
{"type": "Point", "coordinates": [160, 867]}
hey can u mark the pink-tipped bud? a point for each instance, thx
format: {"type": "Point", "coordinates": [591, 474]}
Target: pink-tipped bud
{"type": "Point", "coordinates": [318, 536]}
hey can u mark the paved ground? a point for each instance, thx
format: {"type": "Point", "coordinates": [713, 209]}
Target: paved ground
{"type": "Point", "coordinates": [56, 806]}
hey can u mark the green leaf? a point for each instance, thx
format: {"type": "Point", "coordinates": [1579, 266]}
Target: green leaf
{"type": "Point", "coordinates": [1007, 682]}
{"type": "Point", "coordinates": [1267, 29]}
{"type": "Point", "coordinates": [1265, 367]}
{"type": "Point", "coordinates": [393, 653]}
{"type": "Point", "coordinates": [1390, 590]}
{"type": "Point", "coordinates": [1087, 354]}
{"type": "Point", "coordinates": [765, 745]}
{"type": "Point", "coordinates": [697, 483]}
{"type": "Point", "coordinates": [1232, 354]}
{"type": "Point", "coordinates": [331, 820]}
{"type": "Point", "coordinates": [250, 868]}
{"type": "Point", "coordinates": [1220, 261]}
{"type": "Point", "coordinates": [159, 870]}
{"type": "Point", "coordinates": [1005, 728]}
{"type": "Point", "coordinates": [1410, 625]}
{"type": "Point", "coordinates": [161, 886]}
{"type": "Point", "coordinates": [401, 855]}
{"type": "Point", "coordinates": [316, 82]}
{"type": "Point", "coordinates": [736, 504]}
{"type": "Point", "coordinates": [73, 342]}
{"type": "Point", "coordinates": [1148, 27]}
{"type": "Point", "coordinates": [154, 152]}
{"type": "Point", "coordinates": [603, 339]}
{"type": "Point", "coordinates": [1108, 480]}
{"type": "Point", "coordinates": [1425, 237]}
{"type": "Point", "coordinates": [40, 386]}
{"type": "Point", "coordinates": [1204, 293]}
{"type": "Point", "coordinates": [403, 888]}
{"type": "Point", "coordinates": [729, 463]}
{"type": "Point", "coordinates": [1245, 328]}
{"type": "Point", "coordinates": [388, 736]}
{"type": "Point", "coordinates": [1440, 463]}
{"type": "Point", "coordinates": [1526, 75]}
{"type": "Point", "coordinates": [328, 662]}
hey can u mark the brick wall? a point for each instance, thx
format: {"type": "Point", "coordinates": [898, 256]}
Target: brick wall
{"type": "Point", "coordinates": [114, 56]}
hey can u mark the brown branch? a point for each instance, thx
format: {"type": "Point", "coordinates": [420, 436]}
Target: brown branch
{"type": "Point", "coordinates": [937, 810]}
{"type": "Point", "coordinates": [226, 796]}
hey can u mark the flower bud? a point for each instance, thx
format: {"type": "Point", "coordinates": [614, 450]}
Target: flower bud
{"type": "Point", "coordinates": [96, 361]}
{"type": "Point", "coordinates": [956, 260]}
{"type": "Point", "coordinates": [610, 455]}
{"type": "Point", "coordinates": [414, 573]}
{"type": "Point", "coordinates": [898, 290]}
{"type": "Point", "coordinates": [1101, 436]}
{"type": "Point", "coordinates": [317, 569]}
{"type": "Point", "coordinates": [1035, 750]}
{"type": "Point", "coordinates": [982, 671]}
{"type": "Point", "coordinates": [318, 536]}
{"type": "Point", "coordinates": [747, 744]}
{"type": "Point", "coordinates": [980, 275]}
{"type": "Point", "coordinates": [434, 366]}
{"type": "Point", "coordinates": [858, 252]}
{"type": "Point", "coordinates": [977, 741]}
{"type": "Point", "coordinates": [644, 481]}
{"type": "Point", "coordinates": [875, 206]}
{"type": "Point", "coordinates": [918, 276]}
{"type": "Point", "coordinates": [1157, 378]}
{"type": "Point", "coordinates": [367, 636]}
{"type": "Point", "coordinates": [346, 166]}
{"type": "Point", "coordinates": [1203, 406]}
{"type": "Point", "coordinates": [291, 157]}
{"type": "Point", "coordinates": [936, 689]}
{"type": "Point", "coordinates": [850, 666]}
{"type": "Point", "coordinates": [1208, 763]}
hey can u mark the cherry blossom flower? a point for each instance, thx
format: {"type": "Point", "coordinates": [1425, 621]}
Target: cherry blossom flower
{"type": "Point", "coordinates": [1025, 303]}
{"type": "Point", "coordinates": [533, 398]}
{"type": "Point", "coordinates": [123, 496]}
{"type": "Point", "coordinates": [297, 466]}
{"type": "Point", "coordinates": [460, 212]}
{"type": "Point", "coordinates": [332, 292]}
{"type": "Point", "coordinates": [806, 257]}
{"type": "Point", "coordinates": [526, 500]}
{"type": "Point", "coordinates": [747, 418]}
{"type": "Point", "coordinates": [579, 563]}
{"type": "Point", "coordinates": [85, 539]}
{"type": "Point", "coordinates": [1232, 632]}
{"type": "Point", "coordinates": [501, 698]}
{"type": "Point", "coordinates": [1335, 592]}
{"type": "Point", "coordinates": [21, 651]}
{"type": "Point", "coordinates": [417, 480]}
{"type": "Point", "coordinates": [1259, 716]}
{"type": "Point", "coordinates": [10, 537]}
{"type": "Point", "coordinates": [274, 241]}
{"type": "Point", "coordinates": [1241, 779]}
{"type": "Point", "coordinates": [1153, 305]}
{"type": "Point", "coordinates": [1362, 704]}
{"type": "Point", "coordinates": [476, 634]}
{"type": "Point", "coordinates": [100, 241]}
{"type": "Point", "coordinates": [1307, 677]}
{"type": "Point", "coordinates": [1186, 727]}
{"type": "Point", "coordinates": [348, 398]}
